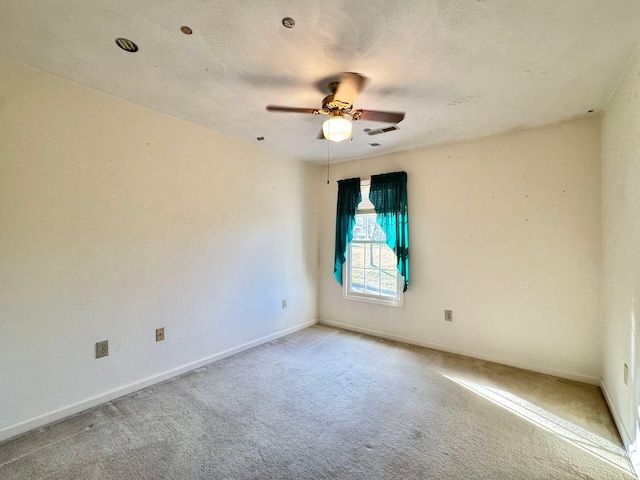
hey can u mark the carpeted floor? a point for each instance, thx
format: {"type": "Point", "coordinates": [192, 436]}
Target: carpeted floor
{"type": "Point", "coordinates": [329, 404]}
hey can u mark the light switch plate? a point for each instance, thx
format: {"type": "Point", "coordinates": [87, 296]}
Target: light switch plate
{"type": "Point", "coordinates": [159, 334]}
{"type": "Point", "coordinates": [448, 315]}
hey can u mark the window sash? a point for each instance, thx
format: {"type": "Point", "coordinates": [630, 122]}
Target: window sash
{"type": "Point", "coordinates": [359, 292]}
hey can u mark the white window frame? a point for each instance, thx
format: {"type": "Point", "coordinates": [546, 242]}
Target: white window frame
{"type": "Point", "coordinates": [365, 207]}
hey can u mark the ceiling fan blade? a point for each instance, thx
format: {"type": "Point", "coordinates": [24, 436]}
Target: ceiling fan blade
{"type": "Point", "coordinates": [387, 117]}
{"type": "Point", "coordinates": [350, 85]}
{"type": "Point", "coordinates": [277, 108]}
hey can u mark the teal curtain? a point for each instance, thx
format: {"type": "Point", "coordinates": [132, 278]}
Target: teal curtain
{"type": "Point", "coordinates": [348, 199]}
{"type": "Point", "coordinates": [388, 194]}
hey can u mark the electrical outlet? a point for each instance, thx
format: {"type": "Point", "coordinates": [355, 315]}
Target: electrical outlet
{"type": "Point", "coordinates": [284, 303]}
{"type": "Point", "coordinates": [448, 315]}
{"type": "Point", "coordinates": [159, 334]}
{"type": "Point", "coordinates": [102, 349]}
{"type": "Point", "coordinates": [626, 374]}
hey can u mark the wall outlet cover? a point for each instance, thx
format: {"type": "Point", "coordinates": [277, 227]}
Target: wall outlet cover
{"type": "Point", "coordinates": [284, 303]}
{"type": "Point", "coordinates": [448, 315]}
{"type": "Point", "coordinates": [102, 349]}
{"type": "Point", "coordinates": [159, 334]}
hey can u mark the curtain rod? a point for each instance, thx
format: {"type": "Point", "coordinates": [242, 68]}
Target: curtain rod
{"type": "Point", "coordinates": [369, 179]}
{"type": "Point", "coordinates": [366, 180]}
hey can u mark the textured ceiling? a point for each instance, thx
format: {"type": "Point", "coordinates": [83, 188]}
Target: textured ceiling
{"type": "Point", "coordinates": [459, 69]}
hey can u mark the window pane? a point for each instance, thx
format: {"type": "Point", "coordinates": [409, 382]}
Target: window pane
{"type": "Point", "coordinates": [371, 225]}
{"type": "Point", "coordinates": [367, 228]}
{"type": "Point", "coordinates": [376, 232]}
{"type": "Point", "coordinates": [372, 255]}
{"type": "Point", "coordinates": [388, 260]}
{"type": "Point", "coordinates": [360, 229]}
{"type": "Point", "coordinates": [357, 280]}
{"type": "Point", "coordinates": [389, 283]}
{"type": "Point", "coordinates": [372, 265]}
{"type": "Point", "coordinates": [357, 255]}
{"type": "Point", "coordinates": [372, 282]}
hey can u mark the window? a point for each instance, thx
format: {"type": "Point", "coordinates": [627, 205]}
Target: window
{"type": "Point", "coordinates": [364, 268]}
{"type": "Point", "coordinates": [371, 272]}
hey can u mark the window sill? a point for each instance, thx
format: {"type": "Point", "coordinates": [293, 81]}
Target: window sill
{"type": "Point", "coordinates": [399, 303]}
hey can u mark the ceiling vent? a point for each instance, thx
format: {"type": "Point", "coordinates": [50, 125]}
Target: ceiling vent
{"type": "Point", "coordinates": [378, 131]}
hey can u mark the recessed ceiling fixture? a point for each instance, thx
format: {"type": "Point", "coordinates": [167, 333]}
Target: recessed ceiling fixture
{"type": "Point", "coordinates": [186, 30]}
{"type": "Point", "coordinates": [126, 45]}
{"type": "Point", "coordinates": [374, 144]}
{"type": "Point", "coordinates": [288, 22]}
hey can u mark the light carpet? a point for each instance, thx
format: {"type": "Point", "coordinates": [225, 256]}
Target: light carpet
{"type": "Point", "coordinates": [328, 404]}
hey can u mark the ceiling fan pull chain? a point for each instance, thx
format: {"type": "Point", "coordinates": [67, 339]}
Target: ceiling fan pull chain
{"type": "Point", "coordinates": [328, 145]}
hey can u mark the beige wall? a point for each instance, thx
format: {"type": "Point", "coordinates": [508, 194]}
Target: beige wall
{"type": "Point", "coordinates": [505, 231]}
{"type": "Point", "coordinates": [621, 252]}
{"type": "Point", "coordinates": [116, 220]}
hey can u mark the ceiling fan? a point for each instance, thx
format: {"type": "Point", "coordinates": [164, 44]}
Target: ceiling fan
{"type": "Point", "coordinates": [338, 105]}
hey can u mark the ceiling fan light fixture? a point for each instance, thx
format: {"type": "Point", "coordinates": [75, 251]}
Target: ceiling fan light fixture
{"type": "Point", "coordinates": [337, 129]}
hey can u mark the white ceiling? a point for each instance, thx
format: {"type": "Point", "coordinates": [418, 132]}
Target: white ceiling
{"type": "Point", "coordinates": [459, 69]}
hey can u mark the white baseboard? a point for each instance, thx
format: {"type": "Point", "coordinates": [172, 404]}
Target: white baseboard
{"type": "Point", "coordinates": [50, 417]}
{"type": "Point", "coordinates": [624, 435]}
{"type": "Point", "coordinates": [614, 413]}
{"type": "Point", "coordinates": [468, 353]}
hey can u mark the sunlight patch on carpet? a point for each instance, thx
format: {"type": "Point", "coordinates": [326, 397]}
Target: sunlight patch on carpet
{"type": "Point", "coordinates": [574, 434]}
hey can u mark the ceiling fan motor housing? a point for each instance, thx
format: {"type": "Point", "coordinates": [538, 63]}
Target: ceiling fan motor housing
{"type": "Point", "coordinates": [329, 105]}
